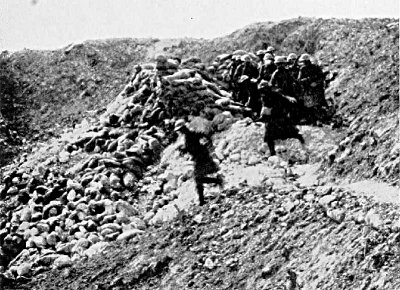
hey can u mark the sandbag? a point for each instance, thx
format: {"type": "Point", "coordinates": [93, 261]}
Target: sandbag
{"type": "Point", "coordinates": [223, 57]}
{"type": "Point", "coordinates": [239, 52]}
{"type": "Point", "coordinates": [148, 66]}
{"type": "Point", "coordinates": [182, 74]}
{"type": "Point", "coordinates": [191, 60]}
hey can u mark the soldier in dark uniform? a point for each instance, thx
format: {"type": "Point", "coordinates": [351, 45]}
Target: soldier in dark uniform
{"type": "Point", "coordinates": [282, 82]}
{"type": "Point", "coordinates": [260, 54]}
{"type": "Point", "coordinates": [267, 69]}
{"type": "Point", "coordinates": [235, 62]}
{"type": "Point", "coordinates": [312, 81]}
{"type": "Point", "coordinates": [245, 72]}
{"type": "Point", "coordinates": [203, 162]}
{"type": "Point", "coordinates": [274, 113]}
{"type": "Point", "coordinates": [292, 65]}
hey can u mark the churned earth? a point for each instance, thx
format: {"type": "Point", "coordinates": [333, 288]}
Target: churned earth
{"type": "Point", "coordinates": [273, 225]}
{"type": "Point", "coordinates": [126, 213]}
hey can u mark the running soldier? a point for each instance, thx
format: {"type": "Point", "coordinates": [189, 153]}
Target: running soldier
{"type": "Point", "coordinates": [274, 113]}
{"type": "Point", "coordinates": [203, 162]}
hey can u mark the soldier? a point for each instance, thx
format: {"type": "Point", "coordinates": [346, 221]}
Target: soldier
{"type": "Point", "coordinates": [277, 123]}
{"type": "Point", "coordinates": [245, 72]}
{"type": "Point", "coordinates": [232, 81]}
{"type": "Point", "coordinates": [281, 80]}
{"type": "Point", "coordinates": [246, 68]}
{"type": "Point", "coordinates": [312, 81]}
{"type": "Point", "coordinates": [283, 83]}
{"type": "Point", "coordinates": [270, 50]}
{"type": "Point", "coordinates": [292, 65]}
{"type": "Point", "coordinates": [203, 162]}
{"type": "Point", "coordinates": [260, 54]}
{"type": "Point", "coordinates": [267, 69]}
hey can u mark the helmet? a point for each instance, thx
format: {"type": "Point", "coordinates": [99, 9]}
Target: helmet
{"type": "Point", "coordinates": [314, 60]}
{"type": "Point", "coordinates": [179, 125]}
{"type": "Point", "coordinates": [304, 57]}
{"type": "Point", "coordinates": [268, 56]}
{"type": "Point", "coordinates": [243, 78]}
{"type": "Point", "coordinates": [280, 59]}
{"type": "Point", "coordinates": [245, 57]}
{"type": "Point", "coordinates": [270, 49]}
{"type": "Point", "coordinates": [292, 56]}
{"type": "Point", "coordinates": [260, 52]}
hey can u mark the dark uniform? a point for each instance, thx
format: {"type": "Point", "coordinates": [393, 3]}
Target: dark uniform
{"type": "Point", "coordinates": [277, 123]}
{"type": "Point", "coordinates": [203, 162]}
{"type": "Point", "coordinates": [247, 68]}
{"type": "Point", "coordinates": [282, 82]}
{"type": "Point", "coordinates": [266, 71]}
{"type": "Point", "coordinates": [312, 80]}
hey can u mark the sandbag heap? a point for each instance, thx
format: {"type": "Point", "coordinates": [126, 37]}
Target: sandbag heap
{"type": "Point", "coordinates": [53, 216]}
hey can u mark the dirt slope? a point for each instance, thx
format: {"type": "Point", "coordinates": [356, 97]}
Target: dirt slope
{"type": "Point", "coordinates": [267, 228]}
{"type": "Point", "coordinates": [60, 88]}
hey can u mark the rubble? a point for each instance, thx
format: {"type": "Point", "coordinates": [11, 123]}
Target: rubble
{"type": "Point", "coordinates": [111, 204]}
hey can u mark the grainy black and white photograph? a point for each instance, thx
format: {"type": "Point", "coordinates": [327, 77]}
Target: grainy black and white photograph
{"type": "Point", "coordinates": [199, 144]}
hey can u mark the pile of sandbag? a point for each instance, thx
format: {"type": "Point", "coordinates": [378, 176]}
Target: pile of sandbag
{"type": "Point", "coordinates": [52, 217]}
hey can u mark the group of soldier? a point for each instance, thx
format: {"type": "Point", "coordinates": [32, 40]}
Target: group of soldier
{"type": "Point", "coordinates": [296, 78]}
{"type": "Point", "coordinates": [281, 91]}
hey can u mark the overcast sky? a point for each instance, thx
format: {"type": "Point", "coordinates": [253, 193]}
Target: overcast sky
{"type": "Point", "coordinates": [51, 24]}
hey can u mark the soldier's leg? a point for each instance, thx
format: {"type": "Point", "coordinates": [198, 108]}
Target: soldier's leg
{"type": "Point", "coordinates": [216, 180]}
{"type": "Point", "coordinates": [200, 189]}
{"type": "Point", "coordinates": [271, 146]}
{"type": "Point", "coordinates": [269, 140]}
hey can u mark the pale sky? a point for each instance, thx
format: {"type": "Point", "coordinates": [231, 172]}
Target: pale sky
{"type": "Point", "coordinates": [52, 24]}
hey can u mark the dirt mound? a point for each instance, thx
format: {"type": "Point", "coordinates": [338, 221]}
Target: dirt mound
{"type": "Point", "coordinates": [251, 238]}
{"type": "Point", "coordinates": [109, 204]}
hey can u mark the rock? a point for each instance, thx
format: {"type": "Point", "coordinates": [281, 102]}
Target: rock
{"type": "Point", "coordinates": [326, 200]}
{"type": "Point", "coordinates": [115, 181]}
{"type": "Point", "coordinates": [95, 249]}
{"type": "Point", "coordinates": [113, 227]}
{"type": "Point", "coordinates": [93, 238]}
{"type": "Point", "coordinates": [374, 220]}
{"type": "Point", "coordinates": [137, 223]}
{"type": "Point", "coordinates": [71, 196]}
{"type": "Point", "coordinates": [337, 215]}
{"type": "Point", "coordinates": [148, 216]}
{"type": "Point", "coordinates": [64, 156]}
{"type": "Point", "coordinates": [43, 228]}
{"type": "Point", "coordinates": [62, 261]}
{"type": "Point", "coordinates": [24, 226]}
{"type": "Point", "coordinates": [268, 270]}
{"type": "Point", "coordinates": [65, 247]}
{"type": "Point", "coordinates": [309, 197]}
{"type": "Point", "coordinates": [26, 214]}
{"type": "Point", "coordinates": [24, 269]}
{"type": "Point", "coordinates": [12, 190]}
{"type": "Point", "coordinates": [288, 206]}
{"type": "Point", "coordinates": [253, 160]}
{"type": "Point", "coordinates": [209, 264]}
{"type": "Point", "coordinates": [126, 208]}
{"type": "Point", "coordinates": [48, 259]}
{"type": "Point", "coordinates": [71, 184]}
{"type": "Point", "coordinates": [235, 157]}
{"type": "Point", "coordinates": [323, 190]}
{"type": "Point", "coordinates": [129, 234]}
{"type": "Point", "coordinates": [52, 239]}
{"type": "Point", "coordinates": [129, 180]}
{"type": "Point", "coordinates": [82, 243]}
{"type": "Point", "coordinates": [275, 160]}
